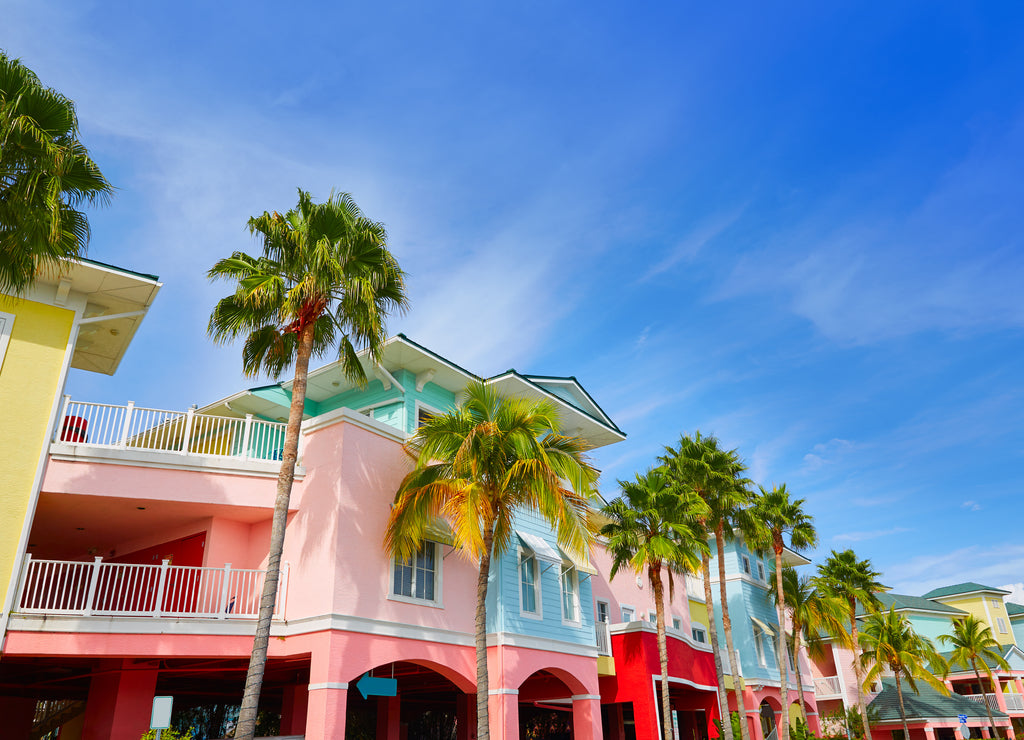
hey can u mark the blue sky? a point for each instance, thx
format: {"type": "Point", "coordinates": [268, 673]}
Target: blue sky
{"type": "Point", "coordinates": [797, 226]}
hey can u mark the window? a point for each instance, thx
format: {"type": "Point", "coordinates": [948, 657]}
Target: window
{"type": "Point", "coordinates": [995, 602]}
{"type": "Point", "coordinates": [627, 614]}
{"type": "Point", "coordinates": [677, 623]}
{"type": "Point", "coordinates": [760, 572]}
{"type": "Point", "coordinates": [422, 414]}
{"type": "Point", "coordinates": [1001, 624]}
{"type": "Point", "coordinates": [759, 645]}
{"type": "Point", "coordinates": [602, 611]}
{"type": "Point", "coordinates": [416, 578]}
{"type": "Point", "coordinates": [699, 635]}
{"type": "Point", "coordinates": [570, 595]}
{"type": "Point", "coordinates": [746, 565]}
{"type": "Point", "coordinates": [652, 617]}
{"type": "Point", "coordinates": [528, 583]}
{"type": "Point", "coordinates": [789, 652]}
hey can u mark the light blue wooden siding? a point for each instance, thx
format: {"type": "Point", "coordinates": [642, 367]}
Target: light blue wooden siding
{"type": "Point", "coordinates": [400, 414]}
{"type": "Point", "coordinates": [433, 396]}
{"type": "Point", "coordinates": [503, 610]}
{"type": "Point", "coordinates": [1017, 625]}
{"type": "Point", "coordinates": [359, 398]}
{"type": "Point", "coordinates": [393, 415]}
{"type": "Point", "coordinates": [931, 626]}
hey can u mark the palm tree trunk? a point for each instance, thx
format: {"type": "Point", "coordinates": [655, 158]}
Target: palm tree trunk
{"type": "Point", "coordinates": [799, 676]}
{"type": "Point", "coordinates": [723, 700]}
{"type": "Point", "coordinates": [991, 719]}
{"type": "Point", "coordinates": [727, 628]}
{"type": "Point", "coordinates": [783, 662]}
{"type": "Point", "coordinates": [246, 727]}
{"type": "Point", "coordinates": [483, 727]}
{"type": "Point", "coordinates": [659, 609]}
{"type": "Point", "coordinates": [903, 712]}
{"type": "Point", "coordinates": [857, 672]}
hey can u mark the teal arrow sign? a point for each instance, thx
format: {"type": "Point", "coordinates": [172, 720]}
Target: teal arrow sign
{"type": "Point", "coordinates": [372, 686]}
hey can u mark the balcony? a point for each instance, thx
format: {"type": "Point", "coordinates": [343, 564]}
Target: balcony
{"type": "Point", "coordinates": [174, 438]}
{"type": "Point", "coordinates": [99, 589]}
{"type": "Point", "coordinates": [828, 687]}
{"type": "Point", "coordinates": [1014, 702]}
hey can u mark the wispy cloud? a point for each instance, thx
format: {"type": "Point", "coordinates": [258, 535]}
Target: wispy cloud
{"type": "Point", "coordinates": [979, 563]}
{"type": "Point", "coordinates": [971, 506]}
{"type": "Point", "coordinates": [691, 244]}
{"type": "Point", "coordinates": [869, 535]}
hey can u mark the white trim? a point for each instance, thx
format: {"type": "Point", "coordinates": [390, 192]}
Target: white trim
{"type": "Point", "coordinates": [643, 626]}
{"type": "Point", "coordinates": [342, 685]}
{"type": "Point", "coordinates": [387, 379]}
{"type": "Point", "coordinates": [586, 697]}
{"type": "Point", "coordinates": [434, 411]}
{"type": "Point", "coordinates": [438, 601]}
{"type": "Point", "coordinates": [745, 566]}
{"type": "Point", "coordinates": [380, 404]}
{"type": "Point", "coordinates": [503, 692]}
{"type": "Point", "coordinates": [530, 642]}
{"type": "Point", "coordinates": [136, 458]}
{"type": "Point", "coordinates": [560, 401]}
{"type": "Point", "coordinates": [573, 573]}
{"type": "Point", "coordinates": [632, 612]}
{"type": "Point", "coordinates": [344, 413]}
{"type": "Point", "coordinates": [541, 549]}
{"type": "Point", "coordinates": [767, 628]}
{"type": "Point", "coordinates": [6, 327]}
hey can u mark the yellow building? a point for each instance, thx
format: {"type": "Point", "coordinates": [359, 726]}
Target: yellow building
{"type": "Point", "coordinates": [84, 318]}
{"type": "Point", "coordinates": [984, 602]}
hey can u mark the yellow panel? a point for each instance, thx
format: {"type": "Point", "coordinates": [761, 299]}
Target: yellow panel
{"type": "Point", "coordinates": [29, 378]}
{"type": "Point", "coordinates": [605, 665]}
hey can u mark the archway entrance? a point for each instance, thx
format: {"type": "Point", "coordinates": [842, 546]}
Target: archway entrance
{"type": "Point", "coordinates": [545, 708]}
{"type": "Point", "coordinates": [768, 729]}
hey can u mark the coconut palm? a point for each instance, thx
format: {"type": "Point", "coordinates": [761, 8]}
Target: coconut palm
{"type": "Point", "coordinates": [972, 642]}
{"type": "Point", "coordinates": [701, 464]}
{"type": "Point", "coordinates": [889, 643]}
{"type": "Point", "coordinates": [46, 175]}
{"type": "Point", "coordinates": [811, 614]}
{"type": "Point", "coordinates": [475, 468]}
{"type": "Point", "coordinates": [656, 525]}
{"type": "Point", "coordinates": [773, 516]}
{"type": "Point", "coordinates": [325, 279]}
{"type": "Point", "coordinates": [844, 577]}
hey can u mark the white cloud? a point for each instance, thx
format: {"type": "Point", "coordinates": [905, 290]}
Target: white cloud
{"type": "Point", "coordinates": [978, 563]}
{"type": "Point", "coordinates": [971, 506]}
{"type": "Point", "coordinates": [869, 535]}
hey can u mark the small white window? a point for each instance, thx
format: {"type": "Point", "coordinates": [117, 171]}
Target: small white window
{"type": "Point", "coordinates": [602, 611]}
{"type": "Point", "coordinates": [677, 623]}
{"type": "Point", "coordinates": [995, 603]}
{"type": "Point", "coordinates": [417, 578]}
{"type": "Point", "coordinates": [760, 572]}
{"type": "Point", "coordinates": [528, 583]}
{"type": "Point", "coordinates": [746, 565]}
{"type": "Point", "coordinates": [652, 617]}
{"type": "Point", "coordinates": [570, 594]}
{"type": "Point", "coordinates": [627, 614]}
{"type": "Point", "coordinates": [699, 635]}
{"type": "Point", "coordinates": [1001, 624]}
{"type": "Point", "coordinates": [789, 652]}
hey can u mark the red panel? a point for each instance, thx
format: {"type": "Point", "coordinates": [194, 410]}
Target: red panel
{"type": "Point", "coordinates": [186, 551]}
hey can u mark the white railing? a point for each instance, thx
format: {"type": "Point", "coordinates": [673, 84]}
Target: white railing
{"type": "Point", "coordinates": [185, 432]}
{"type": "Point", "coordinates": [694, 587]}
{"type": "Point", "coordinates": [828, 686]}
{"type": "Point", "coordinates": [604, 638]}
{"type": "Point", "coordinates": [129, 590]}
{"type": "Point", "coordinates": [1014, 702]}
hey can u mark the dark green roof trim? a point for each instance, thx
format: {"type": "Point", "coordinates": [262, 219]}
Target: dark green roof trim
{"type": "Point", "coordinates": [958, 589]}
{"type": "Point", "coordinates": [436, 356]}
{"type": "Point", "coordinates": [115, 268]}
{"type": "Point", "coordinates": [902, 602]}
{"type": "Point", "coordinates": [609, 424]}
{"type": "Point", "coordinates": [928, 704]}
{"type": "Point", "coordinates": [579, 385]}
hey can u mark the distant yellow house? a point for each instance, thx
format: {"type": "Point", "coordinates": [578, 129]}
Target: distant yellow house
{"type": "Point", "coordinates": [984, 602]}
{"type": "Point", "coordinates": [84, 318]}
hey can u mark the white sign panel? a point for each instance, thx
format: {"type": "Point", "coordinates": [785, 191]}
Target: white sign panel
{"type": "Point", "coordinates": [161, 717]}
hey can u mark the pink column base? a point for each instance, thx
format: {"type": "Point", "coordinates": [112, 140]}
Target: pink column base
{"type": "Point", "coordinates": [325, 713]}
{"type": "Point", "coordinates": [586, 718]}
{"type": "Point", "coordinates": [504, 716]}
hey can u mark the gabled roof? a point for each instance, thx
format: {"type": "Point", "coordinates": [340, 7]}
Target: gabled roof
{"type": "Point", "coordinates": [1014, 610]}
{"type": "Point", "coordinates": [928, 704]}
{"type": "Point", "coordinates": [962, 589]}
{"type": "Point", "coordinates": [902, 602]}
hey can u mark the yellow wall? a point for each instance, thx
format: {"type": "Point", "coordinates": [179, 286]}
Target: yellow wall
{"type": "Point", "coordinates": [29, 379]}
{"type": "Point", "coordinates": [981, 606]}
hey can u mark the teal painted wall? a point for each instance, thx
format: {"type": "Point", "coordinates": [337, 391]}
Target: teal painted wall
{"type": "Point", "coordinates": [931, 626]}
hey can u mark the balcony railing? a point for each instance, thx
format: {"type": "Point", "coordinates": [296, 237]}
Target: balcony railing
{"type": "Point", "coordinates": [85, 589]}
{"type": "Point", "coordinates": [604, 638]}
{"type": "Point", "coordinates": [184, 432]}
{"type": "Point", "coordinates": [828, 686]}
{"type": "Point", "coordinates": [694, 587]}
{"type": "Point", "coordinates": [1014, 702]}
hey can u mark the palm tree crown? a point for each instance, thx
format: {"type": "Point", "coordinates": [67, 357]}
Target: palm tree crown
{"type": "Point", "coordinates": [475, 467]}
{"type": "Point", "coordinates": [46, 175]}
{"type": "Point", "coordinates": [972, 643]}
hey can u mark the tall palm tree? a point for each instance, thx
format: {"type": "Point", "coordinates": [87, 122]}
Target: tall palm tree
{"type": "Point", "coordinates": [773, 516]}
{"type": "Point", "coordinates": [325, 279]}
{"type": "Point", "coordinates": [475, 467]}
{"type": "Point", "coordinates": [46, 175]}
{"type": "Point", "coordinates": [701, 465]}
{"type": "Point", "coordinates": [972, 641]}
{"type": "Point", "coordinates": [852, 580]}
{"type": "Point", "coordinates": [811, 614]}
{"type": "Point", "coordinates": [889, 643]}
{"type": "Point", "coordinates": [656, 524]}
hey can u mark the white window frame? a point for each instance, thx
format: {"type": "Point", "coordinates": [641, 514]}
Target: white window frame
{"type": "Point", "coordinates": [745, 564]}
{"type": "Point", "coordinates": [420, 406]}
{"type": "Point", "coordinates": [1002, 625]}
{"type": "Point", "coordinates": [438, 601]}
{"type": "Point", "coordinates": [539, 614]}
{"type": "Point", "coordinates": [623, 608]}
{"type": "Point", "coordinates": [698, 627]}
{"type": "Point", "coordinates": [6, 327]}
{"type": "Point", "coordinates": [652, 616]}
{"type": "Point", "coordinates": [570, 570]}
{"type": "Point", "coordinates": [762, 658]}
{"type": "Point", "coordinates": [760, 572]}
{"type": "Point", "coordinates": [607, 612]}
{"type": "Point", "coordinates": [677, 623]}
{"type": "Point", "coordinates": [995, 603]}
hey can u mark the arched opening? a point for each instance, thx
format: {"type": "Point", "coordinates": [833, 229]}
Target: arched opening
{"type": "Point", "coordinates": [545, 707]}
{"type": "Point", "coordinates": [768, 727]}
{"type": "Point", "coordinates": [406, 699]}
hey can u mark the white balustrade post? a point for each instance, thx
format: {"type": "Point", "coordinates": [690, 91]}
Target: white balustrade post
{"type": "Point", "coordinates": [59, 431]}
{"type": "Point", "coordinates": [161, 584]}
{"type": "Point", "coordinates": [94, 578]}
{"type": "Point", "coordinates": [222, 611]}
{"type": "Point", "coordinates": [186, 437]}
{"type": "Point", "coordinates": [126, 427]}
{"type": "Point", "coordinates": [24, 580]}
{"type": "Point", "coordinates": [246, 436]}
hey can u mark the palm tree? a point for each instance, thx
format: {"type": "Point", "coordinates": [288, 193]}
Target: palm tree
{"type": "Point", "coordinates": [888, 642]}
{"type": "Point", "coordinates": [701, 465]}
{"type": "Point", "coordinates": [844, 577]}
{"type": "Point", "coordinates": [46, 175]}
{"type": "Point", "coordinates": [811, 614]}
{"type": "Point", "coordinates": [325, 279]}
{"type": "Point", "coordinates": [475, 467]}
{"type": "Point", "coordinates": [656, 524]}
{"type": "Point", "coordinates": [771, 517]}
{"type": "Point", "coordinates": [972, 641]}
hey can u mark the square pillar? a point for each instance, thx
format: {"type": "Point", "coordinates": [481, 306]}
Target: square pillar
{"type": "Point", "coordinates": [325, 711]}
{"type": "Point", "coordinates": [985, 732]}
{"type": "Point", "coordinates": [929, 733]}
{"type": "Point", "coordinates": [18, 715]}
{"type": "Point", "coordinates": [389, 715]}
{"type": "Point", "coordinates": [1000, 699]}
{"type": "Point", "coordinates": [586, 717]}
{"type": "Point", "coordinates": [120, 701]}
{"type": "Point", "coordinates": [294, 705]}
{"type": "Point", "coordinates": [503, 708]}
